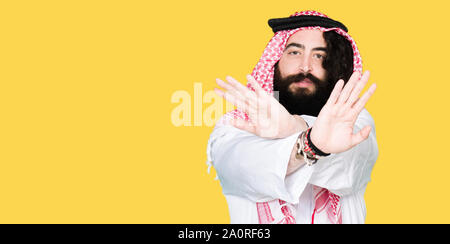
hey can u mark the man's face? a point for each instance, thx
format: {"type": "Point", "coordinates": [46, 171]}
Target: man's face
{"type": "Point", "coordinates": [304, 53]}
{"type": "Point", "coordinates": [299, 75]}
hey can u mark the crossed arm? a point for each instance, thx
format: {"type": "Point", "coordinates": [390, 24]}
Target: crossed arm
{"type": "Point", "coordinates": [332, 131]}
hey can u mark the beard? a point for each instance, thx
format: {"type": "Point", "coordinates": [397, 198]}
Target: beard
{"type": "Point", "coordinates": [301, 100]}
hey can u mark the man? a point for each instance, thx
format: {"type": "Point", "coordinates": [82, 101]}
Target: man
{"type": "Point", "coordinates": [306, 158]}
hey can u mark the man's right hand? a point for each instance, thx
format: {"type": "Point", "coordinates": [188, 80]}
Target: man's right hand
{"type": "Point", "coordinates": [268, 118]}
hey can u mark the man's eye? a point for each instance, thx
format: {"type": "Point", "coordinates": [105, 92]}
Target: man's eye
{"type": "Point", "coordinates": [294, 53]}
{"type": "Point", "coordinates": [319, 56]}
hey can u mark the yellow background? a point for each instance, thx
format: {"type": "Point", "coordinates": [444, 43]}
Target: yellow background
{"type": "Point", "coordinates": [85, 89]}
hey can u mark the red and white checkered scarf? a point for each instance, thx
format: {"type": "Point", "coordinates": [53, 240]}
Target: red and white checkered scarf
{"type": "Point", "coordinates": [327, 205]}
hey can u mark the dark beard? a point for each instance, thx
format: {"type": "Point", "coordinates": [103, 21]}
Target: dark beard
{"type": "Point", "coordinates": [301, 102]}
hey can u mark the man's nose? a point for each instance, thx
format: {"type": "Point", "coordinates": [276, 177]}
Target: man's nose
{"type": "Point", "coordinates": [305, 65]}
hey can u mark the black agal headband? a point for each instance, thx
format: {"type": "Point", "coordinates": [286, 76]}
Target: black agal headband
{"type": "Point", "coordinates": [294, 22]}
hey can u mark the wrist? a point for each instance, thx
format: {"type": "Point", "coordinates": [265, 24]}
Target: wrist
{"type": "Point", "coordinates": [315, 145]}
{"type": "Point", "coordinates": [293, 125]}
{"type": "Point", "coordinates": [299, 124]}
{"type": "Point", "coordinates": [307, 150]}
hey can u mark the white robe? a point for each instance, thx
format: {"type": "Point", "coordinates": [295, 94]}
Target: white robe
{"type": "Point", "coordinates": [253, 169]}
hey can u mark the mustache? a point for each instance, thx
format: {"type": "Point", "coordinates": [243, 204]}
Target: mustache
{"type": "Point", "coordinates": [301, 77]}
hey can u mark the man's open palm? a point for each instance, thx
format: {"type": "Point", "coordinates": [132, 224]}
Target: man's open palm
{"type": "Point", "coordinates": [268, 118]}
{"type": "Point", "coordinates": [333, 130]}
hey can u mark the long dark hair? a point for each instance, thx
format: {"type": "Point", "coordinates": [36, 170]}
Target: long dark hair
{"type": "Point", "coordinates": [339, 60]}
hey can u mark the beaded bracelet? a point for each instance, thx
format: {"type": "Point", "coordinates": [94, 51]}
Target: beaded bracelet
{"type": "Point", "coordinates": [307, 150]}
{"type": "Point", "coordinates": [316, 150]}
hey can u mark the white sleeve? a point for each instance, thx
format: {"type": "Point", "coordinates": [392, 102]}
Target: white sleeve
{"type": "Point", "coordinates": [252, 167]}
{"type": "Point", "coordinates": [348, 172]}
{"type": "Point", "coordinates": [255, 168]}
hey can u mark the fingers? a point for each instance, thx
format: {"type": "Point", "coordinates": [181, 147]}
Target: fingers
{"type": "Point", "coordinates": [348, 88]}
{"type": "Point", "coordinates": [243, 90]}
{"type": "Point", "coordinates": [358, 88]}
{"type": "Point", "coordinates": [336, 92]}
{"type": "Point", "coordinates": [237, 90]}
{"type": "Point", "coordinates": [258, 89]}
{"type": "Point", "coordinates": [359, 105]}
{"type": "Point", "coordinates": [224, 85]}
{"type": "Point", "coordinates": [236, 101]}
{"type": "Point", "coordinates": [240, 95]}
{"type": "Point", "coordinates": [362, 135]}
{"type": "Point", "coordinates": [262, 105]}
{"type": "Point", "coordinates": [349, 96]}
{"type": "Point", "coordinates": [228, 87]}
